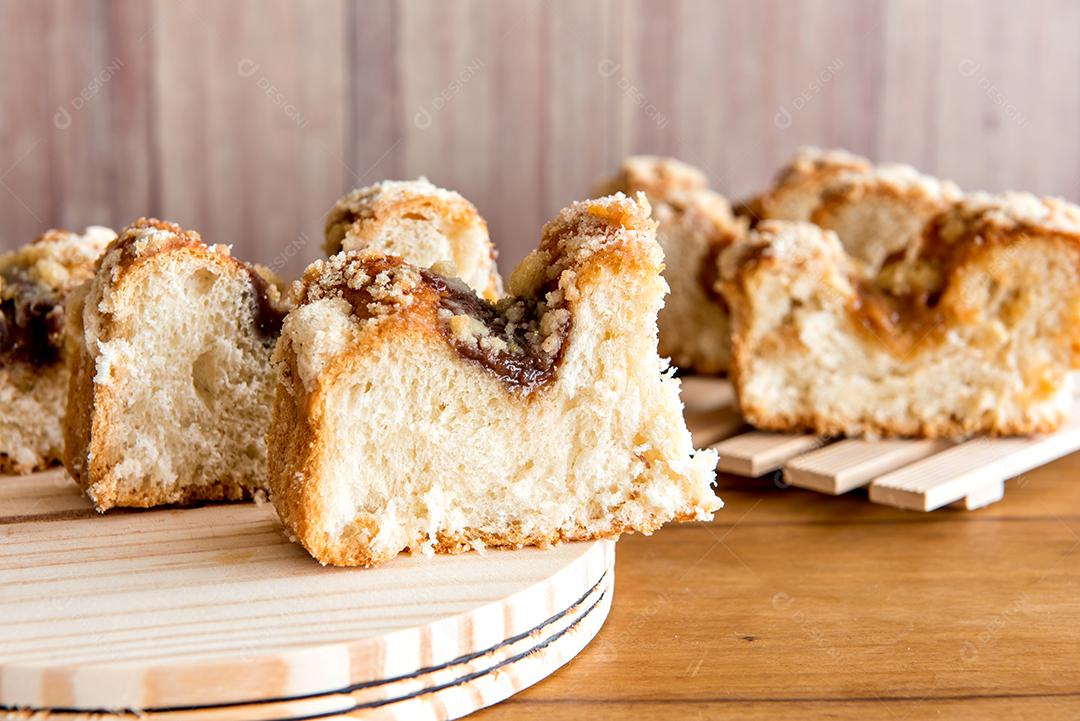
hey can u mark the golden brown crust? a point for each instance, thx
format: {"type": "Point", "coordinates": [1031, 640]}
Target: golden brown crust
{"type": "Point", "coordinates": [78, 419]}
{"type": "Point", "coordinates": [655, 176]}
{"type": "Point", "coordinates": [345, 553]}
{"type": "Point", "coordinates": [921, 194]}
{"type": "Point", "coordinates": [800, 183]}
{"type": "Point", "coordinates": [392, 301]}
{"type": "Point", "coordinates": [927, 289]}
{"type": "Point", "coordinates": [833, 426]}
{"type": "Point", "coordinates": [90, 446]}
{"type": "Point", "coordinates": [362, 213]}
{"type": "Point", "coordinates": [58, 259]}
{"type": "Point", "coordinates": [298, 441]}
{"type": "Point", "coordinates": [362, 216]}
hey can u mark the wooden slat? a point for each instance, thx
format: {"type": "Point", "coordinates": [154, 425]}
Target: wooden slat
{"type": "Point", "coordinates": [376, 123]}
{"type": "Point", "coordinates": [976, 468]}
{"type": "Point", "coordinates": [709, 427]}
{"type": "Point", "coordinates": [757, 453]}
{"type": "Point", "coordinates": [849, 464]}
{"type": "Point", "coordinates": [983, 85]}
{"type": "Point", "coordinates": [77, 126]}
{"type": "Point", "coordinates": [705, 393]}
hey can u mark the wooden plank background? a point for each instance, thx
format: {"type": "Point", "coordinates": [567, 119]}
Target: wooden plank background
{"type": "Point", "coordinates": [245, 120]}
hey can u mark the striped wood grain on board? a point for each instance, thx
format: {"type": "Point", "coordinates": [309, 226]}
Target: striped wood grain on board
{"type": "Point", "coordinates": [213, 605]}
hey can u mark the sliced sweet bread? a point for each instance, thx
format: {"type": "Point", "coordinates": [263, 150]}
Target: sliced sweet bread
{"type": "Point", "coordinates": [34, 282]}
{"type": "Point", "coordinates": [973, 330]}
{"type": "Point", "coordinates": [419, 221]}
{"type": "Point", "coordinates": [695, 224]}
{"type": "Point", "coordinates": [412, 414]}
{"type": "Point", "coordinates": [875, 210]}
{"type": "Point", "coordinates": [171, 385]}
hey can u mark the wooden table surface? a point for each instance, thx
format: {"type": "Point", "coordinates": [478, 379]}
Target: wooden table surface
{"type": "Point", "coordinates": [792, 603]}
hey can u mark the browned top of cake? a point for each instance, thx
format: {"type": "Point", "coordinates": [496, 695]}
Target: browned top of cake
{"type": "Point", "coordinates": [812, 163]}
{"type": "Point", "coordinates": [969, 226]}
{"type": "Point", "coordinates": [655, 176]}
{"type": "Point", "coordinates": [907, 305]}
{"type": "Point", "coordinates": [811, 168]}
{"type": "Point", "coordinates": [520, 339]}
{"type": "Point", "coordinates": [364, 210]}
{"type": "Point", "coordinates": [148, 237]}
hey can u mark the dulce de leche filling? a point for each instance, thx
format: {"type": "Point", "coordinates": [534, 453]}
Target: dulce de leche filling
{"type": "Point", "coordinates": [519, 340]}
{"type": "Point", "coordinates": [31, 321]}
{"type": "Point", "coordinates": [268, 316]}
{"type": "Point", "coordinates": [901, 323]}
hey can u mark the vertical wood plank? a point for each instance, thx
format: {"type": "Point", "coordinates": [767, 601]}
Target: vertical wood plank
{"type": "Point", "coordinates": [250, 122]}
{"type": "Point", "coordinates": [24, 95]}
{"type": "Point", "coordinates": [1007, 85]}
{"type": "Point", "coordinates": [907, 128]}
{"type": "Point", "coordinates": [375, 121]}
{"type": "Point", "coordinates": [651, 83]}
{"type": "Point", "coordinates": [757, 79]}
{"type": "Point", "coordinates": [514, 205]}
{"type": "Point", "coordinates": [583, 115]}
{"type": "Point", "coordinates": [445, 51]}
{"type": "Point", "coordinates": [535, 101]}
{"type": "Point", "coordinates": [472, 109]}
{"type": "Point", "coordinates": [76, 122]}
{"type": "Point", "coordinates": [706, 107]}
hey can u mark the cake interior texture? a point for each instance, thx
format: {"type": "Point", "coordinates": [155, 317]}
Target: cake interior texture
{"type": "Point", "coordinates": [412, 414]}
{"type": "Point", "coordinates": [34, 282]}
{"type": "Point", "coordinates": [171, 396]}
{"type": "Point", "coordinates": [32, 407]}
{"type": "Point", "coordinates": [972, 330]}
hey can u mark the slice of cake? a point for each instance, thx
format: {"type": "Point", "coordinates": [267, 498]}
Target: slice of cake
{"type": "Point", "coordinates": [34, 281]}
{"type": "Point", "coordinates": [875, 210]}
{"type": "Point", "coordinates": [171, 385]}
{"type": "Point", "coordinates": [695, 224]}
{"type": "Point", "coordinates": [412, 414]}
{"type": "Point", "coordinates": [419, 221]}
{"type": "Point", "coordinates": [974, 329]}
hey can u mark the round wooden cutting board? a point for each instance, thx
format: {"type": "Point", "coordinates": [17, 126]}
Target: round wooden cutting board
{"type": "Point", "coordinates": [211, 613]}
